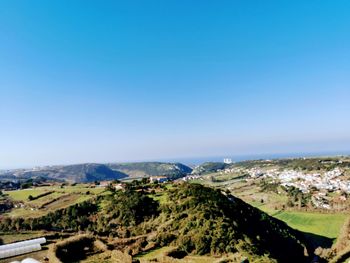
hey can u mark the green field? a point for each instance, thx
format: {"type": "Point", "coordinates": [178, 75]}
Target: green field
{"type": "Point", "coordinates": [323, 224]}
{"type": "Point", "coordinates": [327, 225]}
{"type": "Point", "coordinates": [22, 195]}
{"type": "Point", "coordinates": [60, 197]}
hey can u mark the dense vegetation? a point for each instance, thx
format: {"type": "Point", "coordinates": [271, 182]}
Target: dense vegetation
{"type": "Point", "coordinates": [74, 218]}
{"type": "Point", "coordinates": [207, 221]}
{"type": "Point", "coordinates": [128, 209]}
{"type": "Point", "coordinates": [191, 217]}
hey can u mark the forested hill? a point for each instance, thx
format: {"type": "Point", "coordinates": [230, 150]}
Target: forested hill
{"type": "Point", "coordinates": [88, 172]}
{"type": "Point", "coordinates": [194, 219]}
{"type": "Point", "coordinates": [204, 220]}
{"type": "Point", "coordinates": [146, 169]}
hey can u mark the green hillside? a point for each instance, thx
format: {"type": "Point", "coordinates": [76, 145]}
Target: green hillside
{"type": "Point", "coordinates": [191, 219]}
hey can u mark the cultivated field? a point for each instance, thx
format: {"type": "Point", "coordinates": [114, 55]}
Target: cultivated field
{"type": "Point", "coordinates": [327, 225]}
{"type": "Point", "coordinates": [49, 198]}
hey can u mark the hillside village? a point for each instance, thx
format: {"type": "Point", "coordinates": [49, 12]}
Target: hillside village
{"type": "Point", "coordinates": [323, 181]}
{"type": "Point", "coordinates": [330, 180]}
{"type": "Point", "coordinates": [314, 187]}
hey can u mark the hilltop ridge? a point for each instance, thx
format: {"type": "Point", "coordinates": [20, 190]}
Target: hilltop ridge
{"type": "Point", "coordinates": [90, 172]}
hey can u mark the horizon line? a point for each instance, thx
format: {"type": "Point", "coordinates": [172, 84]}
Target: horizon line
{"type": "Point", "coordinates": [196, 160]}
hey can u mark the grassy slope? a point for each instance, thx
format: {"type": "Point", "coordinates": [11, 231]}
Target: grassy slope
{"type": "Point", "coordinates": [327, 225]}
{"type": "Point", "coordinates": [22, 195]}
{"type": "Point", "coordinates": [66, 196]}
{"type": "Point", "coordinates": [323, 224]}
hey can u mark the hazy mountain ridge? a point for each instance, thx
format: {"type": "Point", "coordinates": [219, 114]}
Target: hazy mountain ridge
{"type": "Point", "coordinates": [90, 172]}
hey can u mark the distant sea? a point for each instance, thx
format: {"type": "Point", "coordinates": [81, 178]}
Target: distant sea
{"type": "Point", "coordinates": [193, 161]}
{"type": "Point", "coordinates": [238, 158]}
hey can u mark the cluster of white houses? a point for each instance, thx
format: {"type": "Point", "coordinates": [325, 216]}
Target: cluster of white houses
{"type": "Point", "coordinates": [192, 177]}
{"type": "Point", "coordinates": [329, 181]}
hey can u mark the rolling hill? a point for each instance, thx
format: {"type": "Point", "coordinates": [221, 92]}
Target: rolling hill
{"type": "Point", "coordinates": [79, 173]}
{"type": "Point", "coordinates": [90, 172]}
{"type": "Point", "coordinates": [192, 219]}
{"type": "Point", "coordinates": [146, 169]}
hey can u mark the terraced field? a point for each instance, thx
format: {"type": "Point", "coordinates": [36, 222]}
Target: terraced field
{"type": "Point", "coordinates": [22, 195]}
{"type": "Point", "coordinates": [56, 197]}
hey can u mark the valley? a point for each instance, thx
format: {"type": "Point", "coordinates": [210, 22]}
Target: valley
{"type": "Point", "coordinates": [216, 213]}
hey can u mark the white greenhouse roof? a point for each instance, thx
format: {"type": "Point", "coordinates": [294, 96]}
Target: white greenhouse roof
{"type": "Point", "coordinates": [27, 260]}
{"type": "Point", "coordinates": [19, 248]}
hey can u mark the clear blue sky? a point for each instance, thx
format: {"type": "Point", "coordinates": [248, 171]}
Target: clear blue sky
{"type": "Point", "coordinates": [100, 81]}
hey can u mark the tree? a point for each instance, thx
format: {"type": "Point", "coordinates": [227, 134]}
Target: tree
{"type": "Point", "coordinates": [26, 185]}
{"type": "Point", "coordinates": [30, 198]}
{"type": "Point", "coordinates": [290, 203]}
{"type": "Point", "coordinates": [110, 188]}
{"type": "Point", "coordinates": [145, 181]}
{"type": "Point", "coordinates": [130, 208]}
